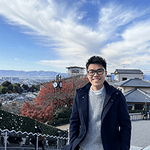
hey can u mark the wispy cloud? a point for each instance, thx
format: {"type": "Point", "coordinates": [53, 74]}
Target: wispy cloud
{"type": "Point", "coordinates": [133, 51]}
{"type": "Point", "coordinates": [121, 35]}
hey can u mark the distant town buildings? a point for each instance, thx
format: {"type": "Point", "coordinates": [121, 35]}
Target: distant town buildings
{"type": "Point", "coordinates": [28, 80]}
{"type": "Point", "coordinates": [130, 81]}
{"type": "Point", "coordinates": [13, 102]}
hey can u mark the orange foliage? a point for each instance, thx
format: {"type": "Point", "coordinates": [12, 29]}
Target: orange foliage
{"type": "Point", "coordinates": [50, 98]}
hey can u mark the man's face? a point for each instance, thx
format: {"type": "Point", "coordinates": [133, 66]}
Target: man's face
{"type": "Point", "coordinates": [96, 78]}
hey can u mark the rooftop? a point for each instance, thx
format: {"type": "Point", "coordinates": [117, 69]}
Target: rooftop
{"type": "Point", "coordinates": [75, 67]}
{"type": "Point", "coordinates": [136, 82]}
{"type": "Point", "coordinates": [138, 96]}
{"type": "Point", "coordinates": [128, 71]}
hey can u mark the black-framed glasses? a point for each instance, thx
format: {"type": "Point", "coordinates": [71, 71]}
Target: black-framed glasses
{"type": "Point", "coordinates": [98, 71]}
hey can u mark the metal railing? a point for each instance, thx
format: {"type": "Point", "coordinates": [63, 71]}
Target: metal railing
{"type": "Point", "coordinates": [138, 116]}
{"type": "Point", "coordinates": [61, 141]}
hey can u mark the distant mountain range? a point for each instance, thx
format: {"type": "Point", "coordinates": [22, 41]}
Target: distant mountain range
{"type": "Point", "coordinates": [13, 73]}
{"type": "Point", "coordinates": [40, 74]}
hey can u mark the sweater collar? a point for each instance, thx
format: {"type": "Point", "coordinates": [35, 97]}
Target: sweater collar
{"type": "Point", "coordinates": [98, 92]}
{"type": "Point", "coordinates": [109, 89]}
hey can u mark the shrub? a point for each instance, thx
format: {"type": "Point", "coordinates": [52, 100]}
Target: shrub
{"type": "Point", "coordinates": [135, 111]}
{"type": "Point", "coordinates": [61, 116]}
{"type": "Point", "coordinates": [62, 112]}
{"type": "Point", "coordinates": [20, 123]}
{"type": "Point", "coordinates": [15, 140]}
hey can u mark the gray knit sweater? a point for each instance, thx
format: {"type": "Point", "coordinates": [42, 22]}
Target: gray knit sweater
{"type": "Point", "coordinates": [92, 139]}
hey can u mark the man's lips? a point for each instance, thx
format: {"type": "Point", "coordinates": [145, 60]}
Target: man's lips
{"type": "Point", "coordinates": [96, 79]}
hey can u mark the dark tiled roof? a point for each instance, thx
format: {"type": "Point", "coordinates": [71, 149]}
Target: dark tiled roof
{"type": "Point", "coordinates": [75, 67]}
{"type": "Point", "coordinates": [128, 71]}
{"type": "Point", "coordinates": [133, 83]}
{"type": "Point", "coordinates": [137, 95]}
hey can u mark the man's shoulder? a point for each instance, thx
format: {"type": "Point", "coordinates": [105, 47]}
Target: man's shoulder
{"type": "Point", "coordinates": [112, 89]}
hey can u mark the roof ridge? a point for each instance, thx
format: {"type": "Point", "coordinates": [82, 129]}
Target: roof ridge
{"type": "Point", "coordinates": [131, 91]}
{"type": "Point", "coordinates": [143, 92]}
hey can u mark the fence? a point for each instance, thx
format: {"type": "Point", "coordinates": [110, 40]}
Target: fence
{"type": "Point", "coordinates": [4, 134]}
{"type": "Point", "coordinates": [139, 116]}
{"type": "Point", "coordinates": [59, 140]}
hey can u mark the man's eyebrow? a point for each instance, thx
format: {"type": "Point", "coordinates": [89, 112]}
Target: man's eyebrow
{"type": "Point", "coordinates": [98, 69]}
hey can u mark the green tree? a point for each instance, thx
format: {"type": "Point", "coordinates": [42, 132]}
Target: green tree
{"type": "Point", "coordinates": [17, 88]}
{"type": "Point", "coordinates": [5, 87]}
{"type": "Point", "coordinates": [25, 87]}
{"type": "Point", "coordinates": [10, 87]}
{"type": "Point", "coordinates": [4, 90]}
{"type": "Point", "coordinates": [34, 88]}
{"type": "Point", "coordinates": [0, 89]}
{"type": "Point", "coordinates": [6, 83]}
{"type": "Point", "coordinates": [0, 104]}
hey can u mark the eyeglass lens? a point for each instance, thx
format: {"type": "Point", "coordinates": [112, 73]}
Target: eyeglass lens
{"type": "Point", "coordinates": [98, 71]}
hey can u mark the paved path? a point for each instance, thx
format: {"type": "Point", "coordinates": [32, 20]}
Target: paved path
{"type": "Point", "coordinates": [63, 127]}
{"type": "Point", "coordinates": [140, 136]}
{"type": "Point", "coordinates": [140, 133]}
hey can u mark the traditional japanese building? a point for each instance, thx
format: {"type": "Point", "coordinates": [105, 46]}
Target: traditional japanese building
{"type": "Point", "coordinates": [136, 92]}
{"type": "Point", "coordinates": [76, 71]}
{"type": "Point", "coordinates": [125, 74]}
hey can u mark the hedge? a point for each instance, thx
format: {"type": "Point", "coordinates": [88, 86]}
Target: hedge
{"type": "Point", "coordinates": [20, 123]}
{"type": "Point", "coordinates": [61, 116]}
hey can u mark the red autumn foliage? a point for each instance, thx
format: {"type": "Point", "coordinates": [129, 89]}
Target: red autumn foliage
{"type": "Point", "coordinates": [50, 98]}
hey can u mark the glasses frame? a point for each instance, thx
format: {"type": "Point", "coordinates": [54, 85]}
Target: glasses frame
{"type": "Point", "coordinates": [96, 71]}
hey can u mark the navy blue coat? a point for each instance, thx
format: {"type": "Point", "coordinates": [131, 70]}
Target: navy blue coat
{"type": "Point", "coordinates": [115, 119]}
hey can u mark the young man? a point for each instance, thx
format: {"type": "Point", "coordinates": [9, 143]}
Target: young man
{"type": "Point", "coordinates": [40, 138]}
{"type": "Point", "coordinates": [100, 118]}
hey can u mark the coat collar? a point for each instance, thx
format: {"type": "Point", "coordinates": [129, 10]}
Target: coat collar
{"type": "Point", "coordinates": [109, 89]}
{"type": "Point", "coordinates": [84, 99]}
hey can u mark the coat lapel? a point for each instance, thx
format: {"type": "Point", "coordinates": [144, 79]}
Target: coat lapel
{"type": "Point", "coordinates": [85, 107]}
{"type": "Point", "coordinates": [107, 104]}
{"type": "Point", "coordinates": [108, 100]}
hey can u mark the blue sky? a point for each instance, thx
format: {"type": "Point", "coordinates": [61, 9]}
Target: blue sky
{"type": "Point", "coordinates": [51, 35]}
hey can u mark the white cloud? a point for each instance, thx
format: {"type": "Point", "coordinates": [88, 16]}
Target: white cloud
{"type": "Point", "coordinates": [133, 51]}
{"type": "Point", "coordinates": [120, 36]}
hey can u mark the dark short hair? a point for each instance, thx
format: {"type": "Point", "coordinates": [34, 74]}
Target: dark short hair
{"type": "Point", "coordinates": [96, 60]}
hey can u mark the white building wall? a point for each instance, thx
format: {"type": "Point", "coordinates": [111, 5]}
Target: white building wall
{"type": "Point", "coordinates": [75, 71]}
{"type": "Point", "coordinates": [119, 77]}
{"type": "Point", "coordinates": [127, 89]}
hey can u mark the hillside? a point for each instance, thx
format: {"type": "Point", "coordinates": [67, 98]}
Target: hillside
{"type": "Point", "coordinates": [24, 124]}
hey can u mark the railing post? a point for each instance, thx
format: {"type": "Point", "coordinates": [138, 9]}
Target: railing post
{"type": "Point", "coordinates": [57, 143]}
{"type": "Point", "coordinates": [36, 142]}
{"type": "Point", "coordinates": [5, 140]}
